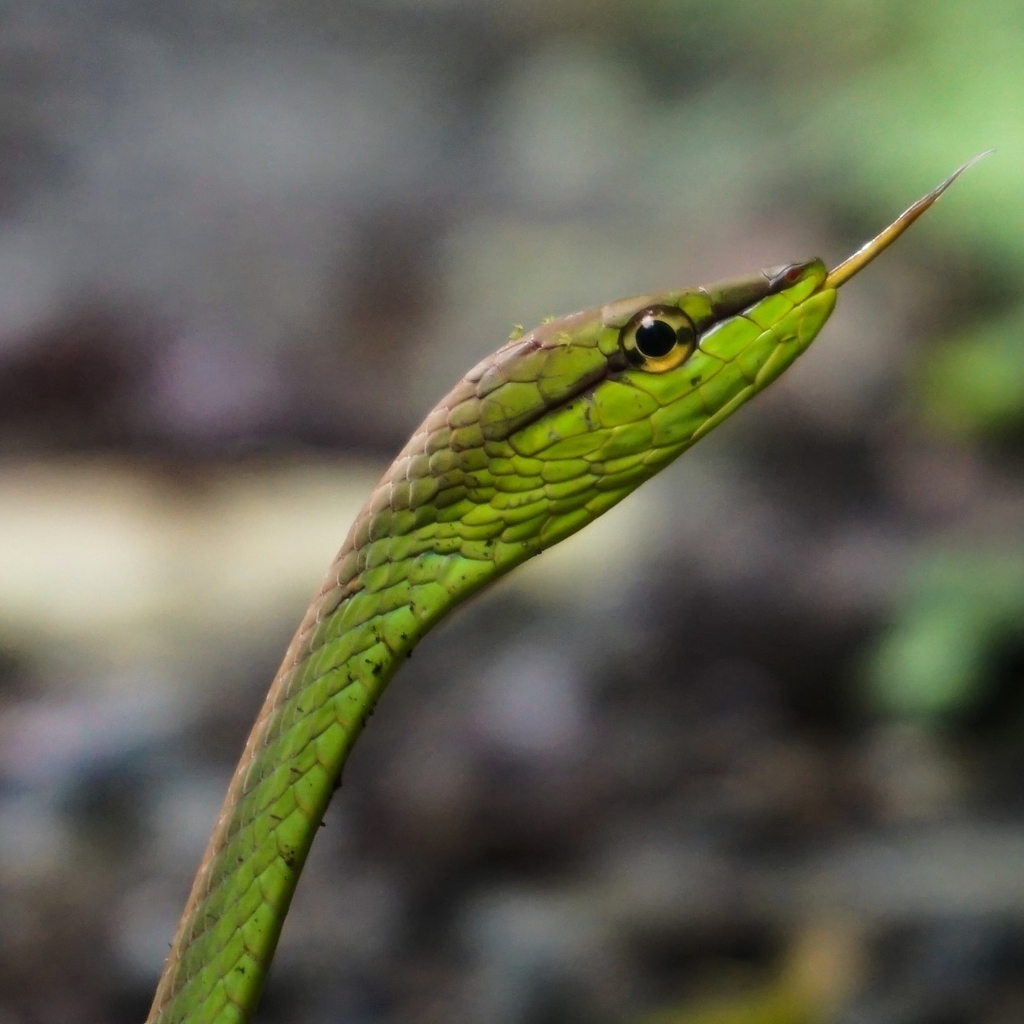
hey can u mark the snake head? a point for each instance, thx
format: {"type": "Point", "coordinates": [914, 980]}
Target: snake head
{"type": "Point", "coordinates": [557, 426]}
{"type": "Point", "coordinates": [560, 424]}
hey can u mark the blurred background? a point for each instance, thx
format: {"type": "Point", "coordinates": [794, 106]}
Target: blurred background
{"type": "Point", "coordinates": [750, 750]}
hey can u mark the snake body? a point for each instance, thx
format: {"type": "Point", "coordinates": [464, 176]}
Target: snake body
{"type": "Point", "coordinates": [535, 442]}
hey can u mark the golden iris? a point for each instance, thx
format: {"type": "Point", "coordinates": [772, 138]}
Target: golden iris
{"type": "Point", "coordinates": [658, 338]}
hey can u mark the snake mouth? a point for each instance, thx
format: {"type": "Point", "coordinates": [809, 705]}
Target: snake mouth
{"type": "Point", "coordinates": [866, 253]}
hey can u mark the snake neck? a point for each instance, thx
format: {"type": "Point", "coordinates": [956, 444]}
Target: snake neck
{"type": "Point", "coordinates": [399, 571]}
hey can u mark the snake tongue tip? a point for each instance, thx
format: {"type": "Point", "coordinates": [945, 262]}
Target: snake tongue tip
{"type": "Point", "coordinates": [852, 265]}
{"type": "Point", "coordinates": [960, 170]}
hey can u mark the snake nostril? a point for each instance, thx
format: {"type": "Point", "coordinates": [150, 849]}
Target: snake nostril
{"type": "Point", "coordinates": [785, 274]}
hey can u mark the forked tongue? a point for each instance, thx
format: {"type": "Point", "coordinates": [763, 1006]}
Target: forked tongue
{"type": "Point", "coordinates": [867, 252]}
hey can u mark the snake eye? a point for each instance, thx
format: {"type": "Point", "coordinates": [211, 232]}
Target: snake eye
{"type": "Point", "coordinates": [658, 338]}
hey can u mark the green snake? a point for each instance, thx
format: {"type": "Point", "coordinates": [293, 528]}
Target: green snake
{"type": "Point", "coordinates": [536, 441]}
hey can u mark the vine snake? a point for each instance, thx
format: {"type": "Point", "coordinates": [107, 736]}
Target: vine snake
{"type": "Point", "coordinates": [536, 441]}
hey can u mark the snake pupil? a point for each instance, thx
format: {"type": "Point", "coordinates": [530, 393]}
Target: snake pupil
{"type": "Point", "coordinates": [654, 338]}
